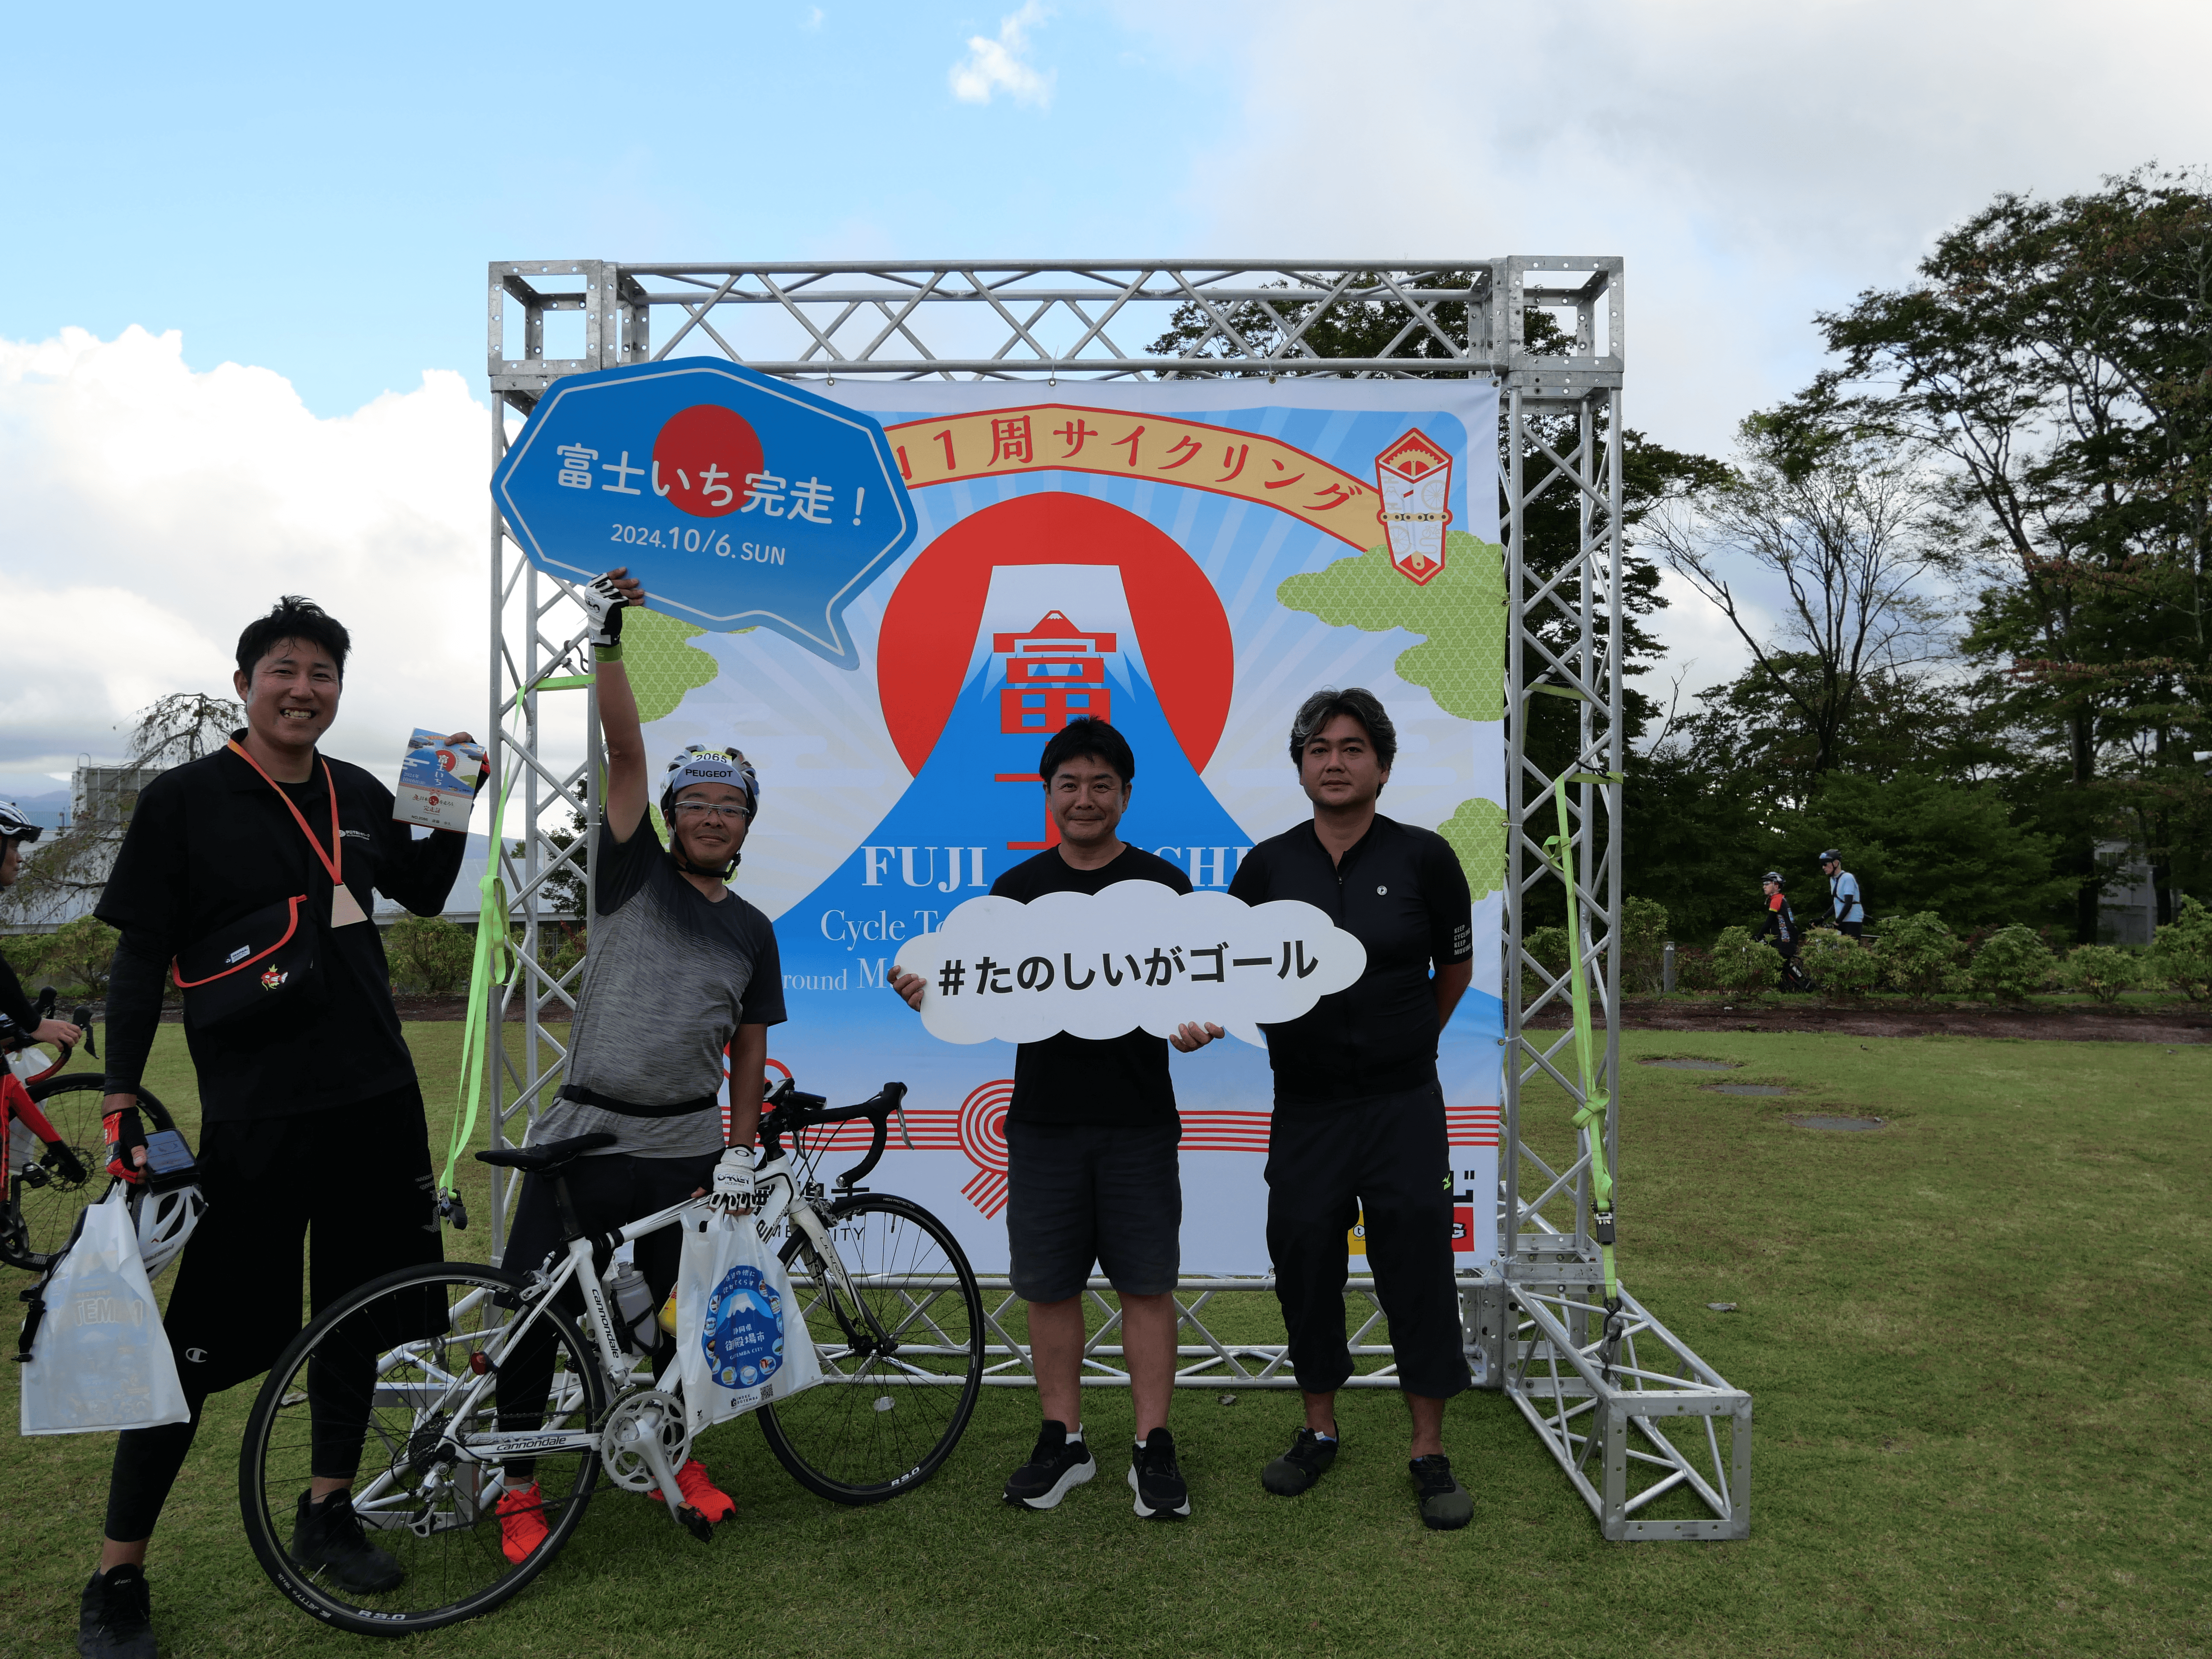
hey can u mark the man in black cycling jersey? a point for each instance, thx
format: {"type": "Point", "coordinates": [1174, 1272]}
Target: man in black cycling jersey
{"type": "Point", "coordinates": [1359, 1124]}
{"type": "Point", "coordinates": [670, 935]}
{"type": "Point", "coordinates": [312, 1118]}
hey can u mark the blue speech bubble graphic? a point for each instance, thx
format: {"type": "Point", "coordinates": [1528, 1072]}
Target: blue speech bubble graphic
{"type": "Point", "coordinates": [738, 499]}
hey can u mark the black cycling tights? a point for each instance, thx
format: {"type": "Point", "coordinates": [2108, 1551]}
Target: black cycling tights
{"type": "Point", "coordinates": [147, 1461]}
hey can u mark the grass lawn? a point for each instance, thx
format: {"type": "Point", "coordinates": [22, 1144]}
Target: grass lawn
{"type": "Point", "coordinates": [1977, 1338]}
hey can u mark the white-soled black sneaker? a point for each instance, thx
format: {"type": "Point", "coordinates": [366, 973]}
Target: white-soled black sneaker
{"type": "Point", "coordinates": [1056, 1465]}
{"type": "Point", "coordinates": [1159, 1484]}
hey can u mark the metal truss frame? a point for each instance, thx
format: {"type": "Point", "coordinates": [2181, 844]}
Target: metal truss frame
{"type": "Point", "coordinates": [1532, 1322]}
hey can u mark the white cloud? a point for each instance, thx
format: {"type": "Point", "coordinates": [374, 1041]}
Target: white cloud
{"type": "Point", "coordinates": [995, 66]}
{"type": "Point", "coordinates": [814, 15]}
{"type": "Point", "coordinates": [1754, 163]}
{"type": "Point", "coordinates": [152, 512]}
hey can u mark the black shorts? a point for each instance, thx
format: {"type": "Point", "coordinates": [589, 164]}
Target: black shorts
{"type": "Point", "coordinates": [1080, 1193]}
{"type": "Point", "coordinates": [350, 1183]}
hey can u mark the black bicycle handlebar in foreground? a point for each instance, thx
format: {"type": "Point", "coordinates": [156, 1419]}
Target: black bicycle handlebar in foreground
{"type": "Point", "coordinates": [788, 1111]}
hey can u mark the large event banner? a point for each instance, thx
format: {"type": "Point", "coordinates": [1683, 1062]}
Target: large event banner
{"type": "Point", "coordinates": [1189, 563]}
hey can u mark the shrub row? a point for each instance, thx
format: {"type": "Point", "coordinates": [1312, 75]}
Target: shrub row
{"type": "Point", "coordinates": [1916, 955]}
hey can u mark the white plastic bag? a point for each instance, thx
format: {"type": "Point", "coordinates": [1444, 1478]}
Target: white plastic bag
{"type": "Point", "coordinates": [100, 1360]}
{"type": "Point", "coordinates": [741, 1339]}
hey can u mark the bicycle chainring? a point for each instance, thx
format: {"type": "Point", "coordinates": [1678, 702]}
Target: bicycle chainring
{"type": "Point", "coordinates": [653, 1414]}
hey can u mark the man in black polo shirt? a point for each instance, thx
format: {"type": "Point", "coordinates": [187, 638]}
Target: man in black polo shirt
{"type": "Point", "coordinates": [1092, 1171]}
{"type": "Point", "coordinates": [1359, 1117]}
{"type": "Point", "coordinates": [311, 1115]}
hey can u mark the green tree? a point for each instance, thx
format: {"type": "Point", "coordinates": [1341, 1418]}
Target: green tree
{"type": "Point", "coordinates": [2182, 953]}
{"type": "Point", "coordinates": [78, 954]}
{"type": "Point", "coordinates": [1920, 955]}
{"type": "Point", "coordinates": [430, 953]}
{"type": "Point", "coordinates": [2100, 971]}
{"type": "Point", "coordinates": [2012, 964]}
{"type": "Point", "coordinates": [2057, 355]}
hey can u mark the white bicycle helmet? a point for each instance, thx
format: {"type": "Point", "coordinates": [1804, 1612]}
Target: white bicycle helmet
{"type": "Point", "coordinates": [14, 826]}
{"type": "Point", "coordinates": [165, 1220]}
{"type": "Point", "coordinates": [699, 764]}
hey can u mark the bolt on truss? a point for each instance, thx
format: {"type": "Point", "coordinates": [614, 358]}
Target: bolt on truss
{"type": "Point", "coordinates": [1528, 1316]}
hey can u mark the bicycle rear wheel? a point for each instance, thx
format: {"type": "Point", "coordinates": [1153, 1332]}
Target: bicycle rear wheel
{"type": "Point", "coordinates": [418, 1493]}
{"type": "Point", "coordinates": [890, 1408]}
{"type": "Point", "coordinates": [42, 1206]}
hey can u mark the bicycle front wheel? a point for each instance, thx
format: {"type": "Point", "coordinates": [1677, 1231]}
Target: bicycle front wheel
{"type": "Point", "coordinates": [43, 1205]}
{"type": "Point", "coordinates": [425, 1377]}
{"type": "Point", "coordinates": [900, 1370]}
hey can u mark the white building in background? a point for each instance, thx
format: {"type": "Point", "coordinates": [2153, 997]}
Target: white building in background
{"type": "Point", "coordinates": [2127, 914]}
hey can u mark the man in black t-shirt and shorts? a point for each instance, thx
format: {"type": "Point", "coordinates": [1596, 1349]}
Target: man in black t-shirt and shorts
{"type": "Point", "coordinates": [1359, 1125]}
{"type": "Point", "coordinates": [671, 937]}
{"type": "Point", "coordinates": [1092, 1171]}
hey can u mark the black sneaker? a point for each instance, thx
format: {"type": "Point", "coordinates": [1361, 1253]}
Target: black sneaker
{"type": "Point", "coordinates": [327, 1537]}
{"type": "Point", "coordinates": [1055, 1465]}
{"type": "Point", "coordinates": [1297, 1469]}
{"type": "Point", "coordinates": [114, 1619]}
{"type": "Point", "coordinates": [1445, 1506]}
{"type": "Point", "coordinates": [1159, 1484]}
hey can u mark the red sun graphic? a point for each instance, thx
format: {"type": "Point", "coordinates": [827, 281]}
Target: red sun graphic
{"type": "Point", "coordinates": [703, 457]}
{"type": "Point", "coordinates": [929, 626]}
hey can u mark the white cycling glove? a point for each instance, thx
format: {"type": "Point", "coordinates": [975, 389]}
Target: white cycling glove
{"type": "Point", "coordinates": [733, 1180]}
{"type": "Point", "coordinates": [604, 604]}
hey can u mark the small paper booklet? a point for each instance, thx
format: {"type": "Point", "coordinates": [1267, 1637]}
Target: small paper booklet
{"type": "Point", "coordinates": [437, 781]}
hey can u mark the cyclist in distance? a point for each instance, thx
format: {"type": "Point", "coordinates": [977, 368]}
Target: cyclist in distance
{"type": "Point", "coordinates": [23, 1024]}
{"type": "Point", "coordinates": [312, 1114]}
{"type": "Point", "coordinates": [16, 831]}
{"type": "Point", "coordinates": [671, 936]}
{"type": "Point", "coordinates": [1779, 926]}
{"type": "Point", "coordinates": [1845, 907]}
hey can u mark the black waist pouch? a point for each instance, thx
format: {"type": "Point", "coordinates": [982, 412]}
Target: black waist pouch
{"type": "Point", "coordinates": [262, 964]}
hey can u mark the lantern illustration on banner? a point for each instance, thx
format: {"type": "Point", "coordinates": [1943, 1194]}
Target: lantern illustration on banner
{"type": "Point", "coordinates": [1414, 478]}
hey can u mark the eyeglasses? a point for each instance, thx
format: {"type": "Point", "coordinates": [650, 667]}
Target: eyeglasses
{"type": "Point", "coordinates": [693, 810]}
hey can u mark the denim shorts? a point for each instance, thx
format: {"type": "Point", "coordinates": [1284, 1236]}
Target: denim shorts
{"type": "Point", "coordinates": [1084, 1193]}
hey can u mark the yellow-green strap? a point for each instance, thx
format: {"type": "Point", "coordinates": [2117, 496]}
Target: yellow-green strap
{"type": "Point", "coordinates": [1591, 1115]}
{"type": "Point", "coordinates": [494, 961]}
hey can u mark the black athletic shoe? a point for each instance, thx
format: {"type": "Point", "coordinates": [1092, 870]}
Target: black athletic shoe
{"type": "Point", "coordinates": [1445, 1506]}
{"type": "Point", "coordinates": [1297, 1469]}
{"type": "Point", "coordinates": [114, 1619]}
{"type": "Point", "coordinates": [1055, 1465]}
{"type": "Point", "coordinates": [326, 1537]}
{"type": "Point", "coordinates": [1159, 1484]}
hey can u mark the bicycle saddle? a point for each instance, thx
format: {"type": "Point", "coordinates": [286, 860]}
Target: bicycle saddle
{"type": "Point", "coordinates": [547, 1156]}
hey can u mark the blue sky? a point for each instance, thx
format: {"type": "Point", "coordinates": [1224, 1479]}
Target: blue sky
{"type": "Point", "coordinates": [318, 188]}
{"type": "Point", "coordinates": [242, 304]}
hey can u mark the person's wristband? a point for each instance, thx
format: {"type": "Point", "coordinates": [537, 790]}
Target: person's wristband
{"type": "Point", "coordinates": [607, 653]}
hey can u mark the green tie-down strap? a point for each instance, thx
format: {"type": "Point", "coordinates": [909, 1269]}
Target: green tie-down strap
{"type": "Point", "coordinates": [493, 963]}
{"type": "Point", "coordinates": [1591, 1116]}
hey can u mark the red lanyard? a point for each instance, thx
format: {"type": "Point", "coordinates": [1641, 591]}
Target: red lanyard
{"type": "Point", "coordinates": [334, 859]}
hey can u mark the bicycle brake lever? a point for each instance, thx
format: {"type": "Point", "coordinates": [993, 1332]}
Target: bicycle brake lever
{"type": "Point", "coordinates": [81, 1018]}
{"type": "Point", "coordinates": [900, 1109]}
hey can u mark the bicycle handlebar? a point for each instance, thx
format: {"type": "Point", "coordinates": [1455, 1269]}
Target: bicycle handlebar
{"type": "Point", "coordinates": [788, 1109]}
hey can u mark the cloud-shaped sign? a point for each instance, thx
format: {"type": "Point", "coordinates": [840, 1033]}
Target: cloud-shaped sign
{"type": "Point", "coordinates": [1137, 954]}
{"type": "Point", "coordinates": [739, 500]}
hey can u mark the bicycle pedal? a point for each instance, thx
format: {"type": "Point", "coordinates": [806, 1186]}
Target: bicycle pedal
{"type": "Point", "coordinates": [696, 1522]}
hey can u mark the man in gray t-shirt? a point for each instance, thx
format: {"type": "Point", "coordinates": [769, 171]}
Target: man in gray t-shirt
{"type": "Point", "coordinates": [678, 971]}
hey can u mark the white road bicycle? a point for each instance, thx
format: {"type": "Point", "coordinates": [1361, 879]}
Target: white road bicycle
{"type": "Point", "coordinates": [421, 1371]}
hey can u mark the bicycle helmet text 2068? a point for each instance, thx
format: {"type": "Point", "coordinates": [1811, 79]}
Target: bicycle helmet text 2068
{"type": "Point", "coordinates": [699, 764]}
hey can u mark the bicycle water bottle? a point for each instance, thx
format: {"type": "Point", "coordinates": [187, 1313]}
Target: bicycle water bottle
{"type": "Point", "coordinates": [633, 1300]}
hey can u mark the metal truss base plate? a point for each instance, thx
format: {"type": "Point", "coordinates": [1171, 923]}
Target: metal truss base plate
{"type": "Point", "coordinates": [1659, 1430]}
